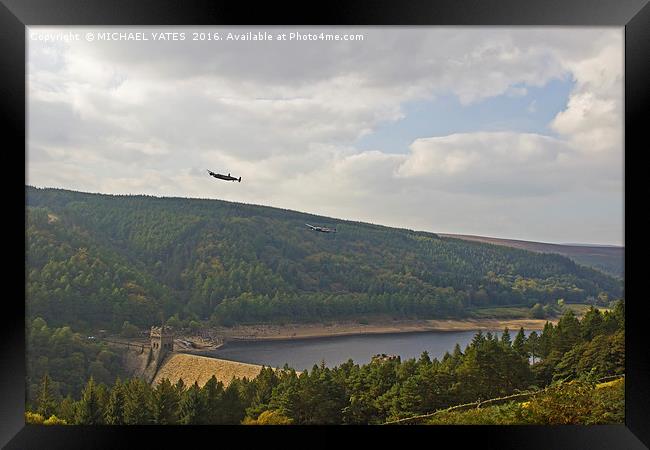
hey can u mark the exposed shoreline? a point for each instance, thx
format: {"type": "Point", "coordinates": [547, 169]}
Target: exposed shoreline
{"type": "Point", "coordinates": [267, 332]}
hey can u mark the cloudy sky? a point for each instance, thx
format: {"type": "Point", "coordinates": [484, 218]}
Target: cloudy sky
{"type": "Point", "coordinates": [504, 132]}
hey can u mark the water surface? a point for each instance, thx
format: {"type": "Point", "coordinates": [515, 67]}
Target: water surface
{"type": "Point", "coordinates": [302, 354]}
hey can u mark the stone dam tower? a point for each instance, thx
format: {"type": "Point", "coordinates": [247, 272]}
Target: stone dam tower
{"type": "Point", "coordinates": [162, 343]}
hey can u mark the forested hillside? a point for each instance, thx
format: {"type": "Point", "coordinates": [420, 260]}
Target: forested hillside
{"type": "Point", "coordinates": [607, 258]}
{"type": "Point", "coordinates": [99, 260]}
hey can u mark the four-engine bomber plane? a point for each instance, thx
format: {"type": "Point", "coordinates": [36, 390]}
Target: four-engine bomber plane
{"type": "Point", "coordinates": [224, 177]}
{"type": "Point", "coordinates": [321, 229]}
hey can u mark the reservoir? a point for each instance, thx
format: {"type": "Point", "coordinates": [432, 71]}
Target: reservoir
{"type": "Point", "coordinates": [302, 354]}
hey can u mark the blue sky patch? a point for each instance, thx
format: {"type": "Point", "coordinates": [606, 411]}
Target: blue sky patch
{"type": "Point", "coordinates": [444, 115]}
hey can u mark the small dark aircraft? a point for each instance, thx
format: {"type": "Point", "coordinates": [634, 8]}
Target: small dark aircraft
{"type": "Point", "coordinates": [321, 229]}
{"type": "Point", "coordinates": [224, 177]}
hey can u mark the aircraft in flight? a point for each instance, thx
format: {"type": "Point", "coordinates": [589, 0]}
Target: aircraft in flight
{"type": "Point", "coordinates": [224, 177]}
{"type": "Point", "coordinates": [321, 229]}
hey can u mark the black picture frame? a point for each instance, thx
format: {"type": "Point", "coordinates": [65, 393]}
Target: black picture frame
{"type": "Point", "coordinates": [634, 15]}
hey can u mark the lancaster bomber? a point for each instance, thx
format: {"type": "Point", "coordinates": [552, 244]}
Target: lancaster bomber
{"type": "Point", "coordinates": [321, 229]}
{"type": "Point", "coordinates": [224, 177]}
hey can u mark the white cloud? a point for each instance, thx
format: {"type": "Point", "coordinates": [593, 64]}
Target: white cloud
{"type": "Point", "coordinates": [592, 121]}
{"type": "Point", "coordinates": [502, 164]}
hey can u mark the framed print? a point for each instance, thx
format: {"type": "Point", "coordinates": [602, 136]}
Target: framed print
{"type": "Point", "coordinates": [366, 218]}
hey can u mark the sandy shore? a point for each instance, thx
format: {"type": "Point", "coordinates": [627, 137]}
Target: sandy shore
{"type": "Point", "coordinates": [304, 331]}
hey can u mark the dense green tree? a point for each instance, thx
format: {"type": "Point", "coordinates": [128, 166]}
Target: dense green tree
{"type": "Point", "coordinates": [505, 338]}
{"type": "Point", "coordinates": [537, 311]}
{"type": "Point", "coordinates": [129, 330]}
{"type": "Point", "coordinates": [67, 409]}
{"type": "Point", "coordinates": [47, 404]}
{"type": "Point", "coordinates": [519, 344]}
{"type": "Point", "coordinates": [234, 408]}
{"type": "Point", "coordinates": [212, 393]}
{"type": "Point", "coordinates": [532, 346]}
{"type": "Point", "coordinates": [264, 384]}
{"type": "Point", "coordinates": [323, 399]}
{"type": "Point", "coordinates": [67, 358]}
{"type": "Point", "coordinates": [545, 368]}
{"type": "Point", "coordinates": [546, 340]}
{"type": "Point", "coordinates": [591, 324]}
{"type": "Point", "coordinates": [89, 409]}
{"type": "Point", "coordinates": [114, 413]}
{"type": "Point", "coordinates": [165, 404]}
{"type": "Point", "coordinates": [619, 314]}
{"type": "Point", "coordinates": [137, 403]}
{"type": "Point", "coordinates": [490, 370]}
{"type": "Point", "coordinates": [567, 332]}
{"type": "Point", "coordinates": [192, 406]}
{"type": "Point", "coordinates": [602, 356]}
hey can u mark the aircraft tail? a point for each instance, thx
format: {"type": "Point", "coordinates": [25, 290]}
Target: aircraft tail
{"type": "Point", "coordinates": [239, 179]}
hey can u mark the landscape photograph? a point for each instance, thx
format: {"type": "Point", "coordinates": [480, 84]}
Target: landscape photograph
{"type": "Point", "coordinates": [324, 226]}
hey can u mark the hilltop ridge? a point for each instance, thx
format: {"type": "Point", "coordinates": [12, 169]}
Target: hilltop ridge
{"type": "Point", "coordinates": [607, 258]}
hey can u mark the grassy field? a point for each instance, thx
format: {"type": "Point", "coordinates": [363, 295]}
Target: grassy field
{"type": "Point", "coordinates": [520, 312]}
{"type": "Point", "coordinates": [501, 312]}
{"type": "Point", "coordinates": [580, 309]}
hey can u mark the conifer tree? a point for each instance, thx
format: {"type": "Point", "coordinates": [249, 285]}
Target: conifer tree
{"type": "Point", "coordinates": [46, 401]}
{"type": "Point", "coordinates": [519, 344]}
{"type": "Point", "coordinates": [102, 395]}
{"type": "Point", "coordinates": [505, 338]}
{"type": "Point", "coordinates": [546, 340]}
{"type": "Point", "coordinates": [137, 403]}
{"type": "Point", "coordinates": [619, 313]}
{"type": "Point", "coordinates": [567, 332]}
{"type": "Point", "coordinates": [233, 407]}
{"type": "Point", "coordinates": [591, 324]}
{"type": "Point", "coordinates": [532, 346]}
{"type": "Point", "coordinates": [180, 387]}
{"type": "Point", "coordinates": [88, 411]}
{"type": "Point", "coordinates": [67, 409]}
{"type": "Point", "coordinates": [165, 404]}
{"type": "Point", "coordinates": [192, 410]}
{"type": "Point", "coordinates": [409, 401]}
{"type": "Point", "coordinates": [114, 411]}
{"type": "Point", "coordinates": [458, 354]}
{"type": "Point", "coordinates": [425, 359]}
{"type": "Point", "coordinates": [478, 338]}
{"type": "Point", "coordinates": [212, 392]}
